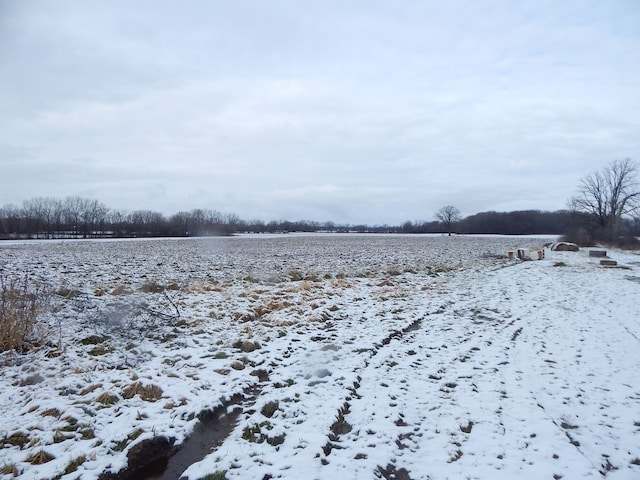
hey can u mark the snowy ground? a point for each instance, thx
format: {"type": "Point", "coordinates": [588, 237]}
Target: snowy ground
{"type": "Point", "coordinates": [371, 357]}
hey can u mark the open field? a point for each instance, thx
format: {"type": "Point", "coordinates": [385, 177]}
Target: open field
{"type": "Point", "coordinates": [356, 357]}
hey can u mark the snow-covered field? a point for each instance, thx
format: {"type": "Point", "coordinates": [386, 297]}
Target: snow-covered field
{"type": "Point", "coordinates": [343, 356]}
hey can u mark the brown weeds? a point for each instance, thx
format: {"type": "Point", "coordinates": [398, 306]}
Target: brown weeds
{"type": "Point", "coordinates": [18, 439]}
{"type": "Point", "coordinates": [39, 458]}
{"type": "Point", "coordinates": [106, 398]}
{"type": "Point", "coordinates": [149, 393]}
{"type": "Point", "coordinates": [20, 305]}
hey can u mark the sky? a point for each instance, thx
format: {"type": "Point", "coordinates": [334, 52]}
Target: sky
{"type": "Point", "coordinates": [354, 112]}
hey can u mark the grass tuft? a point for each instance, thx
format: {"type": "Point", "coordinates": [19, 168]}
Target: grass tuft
{"type": "Point", "coordinates": [18, 439]}
{"type": "Point", "coordinates": [100, 350]}
{"type": "Point", "coordinates": [93, 340]}
{"type": "Point", "coordinates": [9, 469]}
{"type": "Point", "coordinates": [270, 408]}
{"type": "Point", "coordinates": [90, 389]}
{"type": "Point", "coordinates": [67, 292]}
{"type": "Point", "coordinates": [122, 444]}
{"type": "Point", "coordinates": [120, 290]}
{"type": "Point", "coordinates": [152, 286]}
{"type": "Point", "coordinates": [86, 432]}
{"type": "Point", "coordinates": [246, 346]}
{"type": "Point", "coordinates": [59, 437]}
{"type": "Point", "coordinates": [72, 466]}
{"type": "Point", "coordinates": [51, 412]}
{"type": "Point", "coordinates": [149, 393]}
{"type": "Point", "coordinates": [106, 398]}
{"type": "Point", "coordinates": [39, 458]}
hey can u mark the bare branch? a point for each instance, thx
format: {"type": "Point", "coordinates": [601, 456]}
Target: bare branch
{"type": "Point", "coordinates": [449, 215]}
{"type": "Point", "coordinates": [609, 194]}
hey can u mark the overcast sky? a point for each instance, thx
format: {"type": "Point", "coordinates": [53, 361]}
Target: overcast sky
{"type": "Point", "coordinates": [351, 111]}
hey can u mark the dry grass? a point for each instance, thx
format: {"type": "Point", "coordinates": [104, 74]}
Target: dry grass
{"type": "Point", "coordinates": [122, 444]}
{"type": "Point", "coordinates": [121, 290]}
{"type": "Point", "coordinates": [51, 412]}
{"type": "Point", "coordinates": [152, 286]}
{"type": "Point", "coordinates": [90, 389]}
{"type": "Point", "coordinates": [100, 350]}
{"type": "Point", "coordinates": [246, 345]}
{"type": "Point", "coordinates": [149, 393]}
{"type": "Point", "coordinates": [73, 465]}
{"type": "Point", "coordinates": [39, 458]}
{"type": "Point", "coordinates": [67, 292]}
{"type": "Point", "coordinates": [106, 398]}
{"type": "Point", "coordinates": [9, 469]}
{"type": "Point", "coordinates": [17, 439]}
{"type": "Point", "coordinates": [59, 436]}
{"type": "Point", "coordinates": [20, 305]}
{"type": "Point", "coordinates": [270, 408]}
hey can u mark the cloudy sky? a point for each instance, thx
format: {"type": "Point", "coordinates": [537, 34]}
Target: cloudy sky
{"type": "Point", "coordinates": [351, 111]}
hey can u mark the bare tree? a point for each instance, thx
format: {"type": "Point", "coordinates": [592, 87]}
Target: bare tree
{"type": "Point", "coordinates": [72, 211]}
{"type": "Point", "coordinates": [10, 221]}
{"type": "Point", "coordinates": [606, 196]}
{"type": "Point", "coordinates": [94, 216]}
{"type": "Point", "coordinates": [449, 215]}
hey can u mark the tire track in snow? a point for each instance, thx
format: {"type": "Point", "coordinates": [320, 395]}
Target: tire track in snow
{"type": "Point", "coordinates": [555, 369]}
{"type": "Point", "coordinates": [472, 406]}
{"type": "Point", "coordinates": [408, 391]}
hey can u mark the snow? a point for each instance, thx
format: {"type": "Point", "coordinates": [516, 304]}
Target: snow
{"type": "Point", "coordinates": [387, 356]}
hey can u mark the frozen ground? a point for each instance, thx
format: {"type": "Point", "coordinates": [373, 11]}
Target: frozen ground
{"type": "Point", "coordinates": [366, 356]}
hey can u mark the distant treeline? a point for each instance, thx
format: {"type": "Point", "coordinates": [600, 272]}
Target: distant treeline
{"type": "Point", "coordinates": [76, 217]}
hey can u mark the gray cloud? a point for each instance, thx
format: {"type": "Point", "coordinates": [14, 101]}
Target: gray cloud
{"type": "Point", "coordinates": [365, 112]}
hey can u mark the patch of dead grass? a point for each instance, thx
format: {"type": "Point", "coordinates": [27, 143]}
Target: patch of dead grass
{"type": "Point", "coordinates": [148, 393]}
{"type": "Point", "coordinates": [39, 458]}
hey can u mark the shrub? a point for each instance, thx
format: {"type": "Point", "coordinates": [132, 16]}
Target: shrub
{"type": "Point", "coordinates": [20, 305]}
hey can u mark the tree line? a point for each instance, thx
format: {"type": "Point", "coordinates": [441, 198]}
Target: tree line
{"type": "Point", "coordinates": [605, 208]}
{"type": "Point", "coordinates": [77, 217]}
